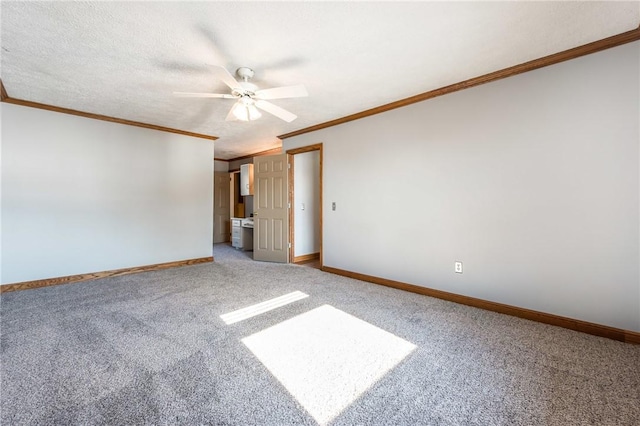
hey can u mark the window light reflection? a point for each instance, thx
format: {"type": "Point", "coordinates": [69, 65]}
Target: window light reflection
{"type": "Point", "coordinates": [327, 358]}
{"type": "Point", "coordinates": [260, 308]}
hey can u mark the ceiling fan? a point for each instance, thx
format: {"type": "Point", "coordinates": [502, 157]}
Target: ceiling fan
{"type": "Point", "coordinates": [249, 97]}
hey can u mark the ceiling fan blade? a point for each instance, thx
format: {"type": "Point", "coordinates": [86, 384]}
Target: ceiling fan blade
{"type": "Point", "coordinates": [203, 95]}
{"type": "Point", "coordinates": [226, 77]}
{"type": "Point", "coordinates": [297, 91]}
{"type": "Point", "coordinates": [231, 116]}
{"type": "Point", "coordinates": [276, 110]}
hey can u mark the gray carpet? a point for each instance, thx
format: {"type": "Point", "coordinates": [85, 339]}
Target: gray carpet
{"type": "Point", "coordinates": [151, 348]}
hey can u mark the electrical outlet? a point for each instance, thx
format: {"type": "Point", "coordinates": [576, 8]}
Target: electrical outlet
{"type": "Point", "coordinates": [333, 206]}
{"type": "Point", "coordinates": [457, 266]}
{"type": "Point", "coordinates": [303, 206]}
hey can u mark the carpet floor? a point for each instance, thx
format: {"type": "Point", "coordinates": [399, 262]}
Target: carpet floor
{"type": "Point", "coordinates": [238, 342]}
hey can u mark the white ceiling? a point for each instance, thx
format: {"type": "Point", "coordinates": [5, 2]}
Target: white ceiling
{"type": "Point", "coordinates": [124, 59]}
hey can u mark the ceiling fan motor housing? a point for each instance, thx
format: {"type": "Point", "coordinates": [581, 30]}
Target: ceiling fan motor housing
{"type": "Point", "coordinates": [245, 73]}
{"type": "Point", "coordinates": [248, 88]}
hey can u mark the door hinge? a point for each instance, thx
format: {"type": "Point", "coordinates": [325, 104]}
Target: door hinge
{"type": "Point", "coordinates": [289, 245]}
{"type": "Point", "coordinates": [288, 205]}
{"type": "Point", "coordinates": [288, 165]}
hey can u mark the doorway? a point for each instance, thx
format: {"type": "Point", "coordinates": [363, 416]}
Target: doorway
{"type": "Point", "coordinates": [305, 195]}
{"type": "Point", "coordinates": [221, 216]}
{"type": "Point", "coordinates": [236, 201]}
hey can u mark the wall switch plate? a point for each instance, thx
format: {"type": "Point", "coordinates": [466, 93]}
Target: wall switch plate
{"type": "Point", "coordinates": [333, 206]}
{"type": "Point", "coordinates": [303, 206]}
{"type": "Point", "coordinates": [458, 267]}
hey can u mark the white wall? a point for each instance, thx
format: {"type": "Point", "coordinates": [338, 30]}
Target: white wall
{"type": "Point", "coordinates": [306, 173]}
{"type": "Point", "coordinates": [235, 165]}
{"type": "Point", "coordinates": [220, 166]}
{"type": "Point", "coordinates": [81, 195]}
{"type": "Point", "coordinates": [531, 181]}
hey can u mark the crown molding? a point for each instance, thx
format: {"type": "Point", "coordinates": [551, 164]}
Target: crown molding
{"type": "Point", "coordinates": [576, 52]}
{"type": "Point", "coordinates": [3, 92]}
{"type": "Point", "coordinates": [7, 99]}
{"type": "Point", "coordinates": [271, 151]}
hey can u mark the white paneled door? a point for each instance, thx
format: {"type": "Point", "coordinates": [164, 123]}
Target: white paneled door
{"type": "Point", "coordinates": [270, 207]}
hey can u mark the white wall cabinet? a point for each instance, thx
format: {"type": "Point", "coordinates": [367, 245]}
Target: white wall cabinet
{"type": "Point", "coordinates": [246, 179]}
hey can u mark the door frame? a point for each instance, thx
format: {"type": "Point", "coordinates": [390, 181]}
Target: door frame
{"type": "Point", "coordinates": [290, 160]}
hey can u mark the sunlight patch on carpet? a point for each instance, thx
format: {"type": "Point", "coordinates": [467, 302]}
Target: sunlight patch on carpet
{"type": "Point", "coordinates": [327, 358]}
{"type": "Point", "coordinates": [260, 308]}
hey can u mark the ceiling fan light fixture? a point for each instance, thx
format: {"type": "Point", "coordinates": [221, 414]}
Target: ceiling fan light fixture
{"type": "Point", "coordinates": [254, 114]}
{"type": "Point", "coordinates": [246, 111]}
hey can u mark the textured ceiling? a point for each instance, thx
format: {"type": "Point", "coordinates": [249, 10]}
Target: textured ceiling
{"type": "Point", "coordinates": [124, 59]}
